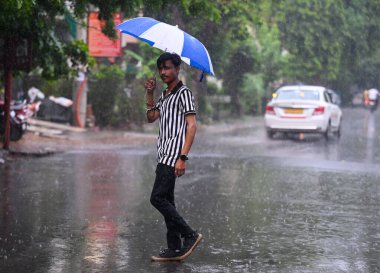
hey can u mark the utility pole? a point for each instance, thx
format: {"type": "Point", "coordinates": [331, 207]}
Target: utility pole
{"type": "Point", "coordinates": [9, 56]}
{"type": "Point", "coordinates": [15, 54]}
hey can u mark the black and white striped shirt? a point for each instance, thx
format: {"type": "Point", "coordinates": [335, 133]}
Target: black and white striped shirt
{"type": "Point", "coordinates": [173, 108]}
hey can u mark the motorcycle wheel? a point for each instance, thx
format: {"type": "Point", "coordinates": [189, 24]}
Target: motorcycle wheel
{"type": "Point", "coordinates": [16, 132]}
{"type": "Point", "coordinates": [2, 125]}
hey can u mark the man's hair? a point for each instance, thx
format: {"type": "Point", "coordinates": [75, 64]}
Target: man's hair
{"type": "Point", "coordinates": [175, 58]}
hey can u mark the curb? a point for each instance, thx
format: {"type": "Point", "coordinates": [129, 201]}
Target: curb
{"type": "Point", "coordinates": [36, 153]}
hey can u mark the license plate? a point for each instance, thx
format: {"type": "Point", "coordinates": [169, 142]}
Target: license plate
{"type": "Point", "coordinates": [293, 111]}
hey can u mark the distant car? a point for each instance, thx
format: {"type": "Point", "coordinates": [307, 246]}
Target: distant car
{"type": "Point", "coordinates": [303, 109]}
{"type": "Point", "coordinates": [357, 99]}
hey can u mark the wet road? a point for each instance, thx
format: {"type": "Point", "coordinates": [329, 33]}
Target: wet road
{"type": "Point", "coordinates": [282, 205]}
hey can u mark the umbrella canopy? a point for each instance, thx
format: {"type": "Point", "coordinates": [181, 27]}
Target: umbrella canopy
{"type": "Point", "coordinates": [171, 39]}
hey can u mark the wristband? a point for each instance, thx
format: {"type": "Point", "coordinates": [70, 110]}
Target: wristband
{"type": "Point", "coordinates": [150, 109]}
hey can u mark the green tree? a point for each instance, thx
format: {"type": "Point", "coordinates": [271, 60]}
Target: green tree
{"type": "Point", "coordinates": [106, 90]}
{"type": "Point", "coordinates": [243, 61]}
{"type": "Point", "coordinates": [253, 91]}
{"type": "Point", "coordinates": [311, 32]}
{"type": "Point", "coordinates": [330, 42]}
{"type": "Point", "coordinates": [361, 58]}
{"type": "Point", "coordinates": [37, 20]}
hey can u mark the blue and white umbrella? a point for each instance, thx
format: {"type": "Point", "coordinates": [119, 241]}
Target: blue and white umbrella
{"type": "Point", "coordinates": [171, 39]}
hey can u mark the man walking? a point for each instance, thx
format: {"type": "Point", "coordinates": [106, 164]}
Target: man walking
{"type": "Point", "coordinates": [373, 95]}
{"type": "Point", "coordinates": [177, 127]}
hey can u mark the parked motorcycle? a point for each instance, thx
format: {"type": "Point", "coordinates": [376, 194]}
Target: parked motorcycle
{"type": "Point", "coordinates": [19, 114]}
{"type": "Point", "coordinates": [373, 105]}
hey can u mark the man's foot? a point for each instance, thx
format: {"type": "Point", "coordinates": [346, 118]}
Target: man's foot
{"type": "Point", "coordinates": [190, 243]}
{"type": "Point", "coordinates": [168, 255]}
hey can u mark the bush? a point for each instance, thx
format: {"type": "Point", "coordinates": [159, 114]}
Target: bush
{"type": "Point", "coordinates": [106, 94]}
{"type": "Point", "coordinates": [252, 93]}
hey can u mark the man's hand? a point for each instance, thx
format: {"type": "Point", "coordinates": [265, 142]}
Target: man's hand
{"type": "Point", "coordinates": [150, 85]}
{"type": "Point", "coordinates": [180, 167]}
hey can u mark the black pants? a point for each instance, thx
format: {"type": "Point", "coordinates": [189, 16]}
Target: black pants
{"type": "Point", "coordinates": [162, 199]}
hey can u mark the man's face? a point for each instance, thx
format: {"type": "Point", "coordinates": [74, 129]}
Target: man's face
{"type": "Point", "coordinates": [168, 72]}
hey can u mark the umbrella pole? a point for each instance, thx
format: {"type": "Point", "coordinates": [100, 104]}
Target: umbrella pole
{"type": "Point", "coordinates": [202, 76]}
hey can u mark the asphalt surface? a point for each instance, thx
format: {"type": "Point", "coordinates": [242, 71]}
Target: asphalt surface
{"type": "Point", "coordinates": [290, 204]}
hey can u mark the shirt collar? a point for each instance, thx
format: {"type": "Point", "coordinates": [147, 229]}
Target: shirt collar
{"type": "Point", "coordinates": [176, 88]}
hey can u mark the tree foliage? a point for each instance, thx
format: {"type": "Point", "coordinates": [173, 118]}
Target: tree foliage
{"type": "Point", "coordinates": [106, 90]}
{"type": "Point", "coordinates": [37, 21]}
{"type": "Point", "coordinates": [251, 42]}
{"type": "Point", "coordinates": [329, 40]}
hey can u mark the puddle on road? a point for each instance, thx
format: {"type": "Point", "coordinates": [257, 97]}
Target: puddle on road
{"type": "Point", "coordinates": [90, 212]}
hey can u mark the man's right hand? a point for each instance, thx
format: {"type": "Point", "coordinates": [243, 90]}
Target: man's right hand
{"type": "Point", "coordinates": [150, 85]}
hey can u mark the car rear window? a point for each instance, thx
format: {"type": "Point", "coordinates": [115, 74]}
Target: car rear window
{"type": "Point", "coordinates": [297, 95]}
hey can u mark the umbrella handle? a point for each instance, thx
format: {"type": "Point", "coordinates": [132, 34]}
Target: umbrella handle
{"type": "Point", "coordinates": [202, 76]}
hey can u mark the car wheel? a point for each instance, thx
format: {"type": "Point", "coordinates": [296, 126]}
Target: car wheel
{"type": "Point", "coordinates": [327, 133]}
{"type": "Point", "coordinates": [339, 131]}
{"type": "Point", "coordinates": [270, 134]}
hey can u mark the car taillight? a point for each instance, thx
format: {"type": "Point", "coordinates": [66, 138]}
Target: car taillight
{"type": "Point", "coordinates": [269, 110]}
{"type": "Point", "coordinates": [319, 110]}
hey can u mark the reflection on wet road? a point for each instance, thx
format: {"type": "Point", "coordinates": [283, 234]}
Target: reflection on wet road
{"type": "Point", "coordinates": [282, 205]}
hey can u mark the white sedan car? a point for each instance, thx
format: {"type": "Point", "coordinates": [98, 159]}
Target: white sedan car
{"type": "Point", "coordinates": [303, 109]}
